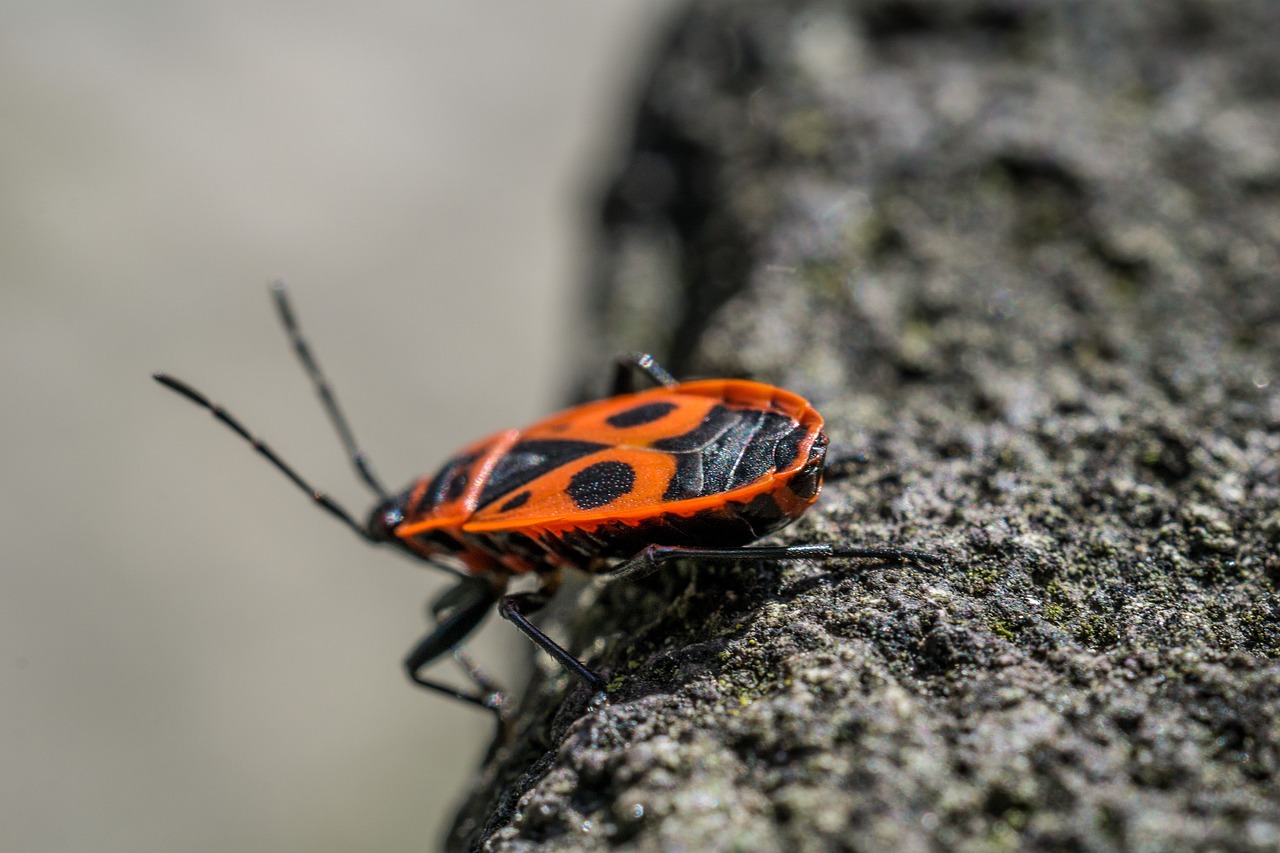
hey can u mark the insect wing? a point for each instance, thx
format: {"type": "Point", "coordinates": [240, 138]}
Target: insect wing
{"type": "Point", "coordinates": [667, 450]}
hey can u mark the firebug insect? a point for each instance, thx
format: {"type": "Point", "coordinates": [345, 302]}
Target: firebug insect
{"type": "Point", "coordinates": [683, 470]}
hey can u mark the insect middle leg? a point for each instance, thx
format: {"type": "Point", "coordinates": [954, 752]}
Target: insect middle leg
{"type": "Point", "coordinates": [457, 612]}
{"type": "Point", "coordinates": [516, 608]}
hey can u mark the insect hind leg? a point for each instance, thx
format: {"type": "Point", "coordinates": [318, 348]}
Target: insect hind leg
{"type": "Point", "coordinates": [516, 608]}
{"type": "Point", "coordinates": [627, 365]}
{"type": "Point", "coordinates": [653, 557]}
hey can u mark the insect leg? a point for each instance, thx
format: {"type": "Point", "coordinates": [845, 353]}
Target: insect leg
{"type": "Point", "coordinates": [471, 601]}
{"type": "Point", "coordinates": [653, 556]}
{"type": "Point", "coordinates": [516, 609]}
{"type": "Point", "coordinates": [628, 364]}
{"type": "Point", "coordinates": [459, 596]}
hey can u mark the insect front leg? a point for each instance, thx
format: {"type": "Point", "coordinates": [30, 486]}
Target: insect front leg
{"type": "Point", "coordinates": [654, 556]}
{"type": "Point", "coordinates": [627, 365]}
{"type": "Point", "coordinates": [516, 608]}
{"type": "Point", "coordinates": [460, 596]}
{"type": "Point", "coordinates": [457, 612]}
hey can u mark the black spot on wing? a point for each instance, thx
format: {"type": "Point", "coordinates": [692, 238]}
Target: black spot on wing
{"type": "Point", "coordinates": [645, 413]}
{"type": "Point", "coordinates": [516, 502]}
{"type": "Point", "coordinates": [526, 461]}
{"type": "Point", "coordinates": [457, 485]}
{"type": "Point", "coordinates": [729, 449]}
{"type": "Point", "coordinates": [601, 484]}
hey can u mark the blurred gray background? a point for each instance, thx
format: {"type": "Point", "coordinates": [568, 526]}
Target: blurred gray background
{"type": "Point", "coordinates": [192, 657]}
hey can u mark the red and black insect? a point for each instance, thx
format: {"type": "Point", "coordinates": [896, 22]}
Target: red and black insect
{"type": "Point", "coordinates": [683, 470]}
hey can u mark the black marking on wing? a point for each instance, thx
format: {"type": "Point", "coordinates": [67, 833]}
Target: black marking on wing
{"type": "Point", "coordinates": [526, 461]}
{"type": "Point", "coordinates": [729, 449]}
{"type": "Point", "coordinates": [516, 502]}
{"type": "Point", "coordinates": [601, 484]}
{"type": "Point", "coordinates": [447, 485]}
{"type": "Point", "coordinates": [645, 413]}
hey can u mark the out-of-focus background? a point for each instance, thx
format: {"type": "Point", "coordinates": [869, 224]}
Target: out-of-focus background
{"type": "Point", "coordinates": [192, 657]}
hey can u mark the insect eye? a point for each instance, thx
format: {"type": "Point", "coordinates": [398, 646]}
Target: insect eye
{"type": "Point", "coordinates": [384, 519]}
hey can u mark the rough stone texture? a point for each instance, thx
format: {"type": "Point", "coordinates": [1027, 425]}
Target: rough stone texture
{"type": "Point", "coordinates": [1026, 259]}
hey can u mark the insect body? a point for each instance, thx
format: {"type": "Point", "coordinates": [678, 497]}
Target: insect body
{"type": "Point", "coordinates": [682, 470]}
{"type": "Point", "coordinates": [695, 464]}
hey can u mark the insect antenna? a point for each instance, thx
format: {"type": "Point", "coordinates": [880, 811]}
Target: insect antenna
{"type": "Point", "coordinates": [327, 398]}
{"type": "Point", "coordinates": [221, 414]}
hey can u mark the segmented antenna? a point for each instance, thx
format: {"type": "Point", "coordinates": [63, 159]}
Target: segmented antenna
{"type": "Point", "coordinates": [239, 429]}
{"type": "Point", "coordinates": [327, 399]}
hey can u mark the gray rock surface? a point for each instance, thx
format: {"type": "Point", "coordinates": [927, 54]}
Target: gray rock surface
{"type": "Point", "coordinates": [1025, 257]}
